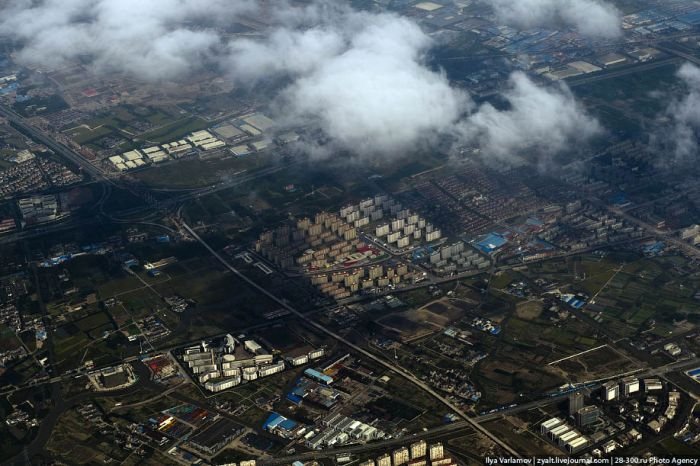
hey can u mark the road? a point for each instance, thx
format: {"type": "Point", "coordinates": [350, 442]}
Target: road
{"type": "Point", "coordinates": [127, 216]}
{"type": "Point", "coordinates": [463, 427]}
{"type": "Point", "coordinates": [408, 376]}
{"type": "Point", "coordinates": [64, 404]}
{"type": "Point", "coordinates": [575, 82]}
{"type": "Point", "coordinates": [680, 54]}
{"type": "Point", "coordinates": [667, 236]}
{"type": "Point", "coordinates": [52, 144]}
{"type": "Point", "coordinates": [473, 273]}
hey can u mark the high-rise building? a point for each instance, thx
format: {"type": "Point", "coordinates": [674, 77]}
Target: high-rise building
{"type": "Point", "coordinates": [630, 385]}
{"type": "Point", "coordinates": [384, 460]}
{"type": "Point", "coordinates": [436, 451]}
{"type": "Point", "coordinates": [575, 403]}
{"type": "Point", "coordinates": [611, 391]}
{"type": "Point", "coordinates": [401, 456]}
{"type": "Point", "coordinates": [587, 415]}
{"type": "Point", "coordinates": [418, 449]}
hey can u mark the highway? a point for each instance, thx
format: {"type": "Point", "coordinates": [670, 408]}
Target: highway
{"type": "Point", "coordinates": [580, 81]}
{"type": "Point", "coordinates": [680, 54]}
{"type": "Point", "coordinates": [464, 427]}
{"type": "Point", "coordinates": [63, 404]}
{"type": "Point", "coordinates": [408, 376]}
{"type": "Point", "coordinates": [472, 273]}
{"type": "Point", "coordinates": [87, 167]}
{"type": "Point", "coordinates": [469, 423]}
{"type": "Point", "coordinates": [667, 236]}
{"type": "Point", "coordinates": [49, 142]}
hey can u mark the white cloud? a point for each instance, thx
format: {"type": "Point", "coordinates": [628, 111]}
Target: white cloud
{"type": "Point", "coordinates": [544, 120]}
{"type": "Point", "coordinates": [682, 137]}
{"type": "Point", "coordinates": [153, 39]}
{"type": "Point", "coordinates": [361, 78]}
{"type": "Point", "coordinates": [592, 18]}
{"type": "Point", "coordinates": [284, 52]}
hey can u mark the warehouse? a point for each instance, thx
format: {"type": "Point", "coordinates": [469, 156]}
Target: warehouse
{"type": "Point", "coordinates": [216, 437]}
{"type": "Point", "coordinates": [229, 132]}
{"type": "Point", "coordinates": [205, 140]}
{"type": "Point", "coordinates": [318, 376]}
{"type": "Point", "coordinates": [259, 121]}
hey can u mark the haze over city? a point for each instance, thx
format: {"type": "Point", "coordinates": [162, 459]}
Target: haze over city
{"type": "Point", "coordinates": [356, 232]}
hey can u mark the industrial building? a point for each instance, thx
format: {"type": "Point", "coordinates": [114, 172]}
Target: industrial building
{"type": "Point", "coordinates": [241, 150]}
{"type": "Point", "coordinates": [225, 366]}
{"type": "Point", "coordinates": [563, 435]}
{"type": "Point", "coordinates": [281, 426]}
{"type": "Point", "coordinates": [216, 437]}
{"type": "Point", "coordinates": [318, 376]}
{"type": "Point", "coordinates": [259, 121]}
{"type": "Point", "coordinates": [205, 141]}
{"type": "Point", "coordinates": [229, 132]}
{"type": "Point", "coordinates": [339, 430]}
{"type": "Point", "coordinates": [177, 149]}
{"type": "Point", "coordinates": [549, 425]}
{"type": "Point", "coordinates": [128, 160]}
{"type": "Point", "coordinates": [39, 209]}
{"type": "Point", "coordinates": [155, 154]}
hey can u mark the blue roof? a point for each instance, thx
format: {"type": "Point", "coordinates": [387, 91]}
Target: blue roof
{"type": "Point", "coordinates": [287, 424]}
{"type": "Point", "coordinates": [576, 303]}
{"type": "Point", "coordinates": [491, 242]}
{"type": "Point", "coordinates": [313, 373]}
{"type": "Point", "coordinates": [619, 198]}
{"type": "Point", "coordinates": [296, 399]}
{"type": "Point", "coordinates": [273, 420]}
{"type": "Point", "coordinates": [694, 372]}
{"type": "Point", "coordinates": [691, 18]}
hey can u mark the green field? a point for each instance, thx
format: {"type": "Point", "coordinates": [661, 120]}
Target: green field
{"type": "Point", "coordinates": [85, 134]}
{"type": "Point", "coordinates": [175, 130]}
{"type": "Point", "coordinates": [192, 173]}
{"type": "Point", "coordinates": [122, 121]}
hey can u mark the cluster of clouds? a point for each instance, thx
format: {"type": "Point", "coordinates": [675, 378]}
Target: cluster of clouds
{"type": "Point", "coordinates": [681, 133]}
{"type": "Point", "coordinates": [547, 120]}
{"type": "Point", "coordinates": [151, 39]}
{"type": "Point", "coordinates": [360, 77]}
{"type": "Point", "coordinates": [592, 18]}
